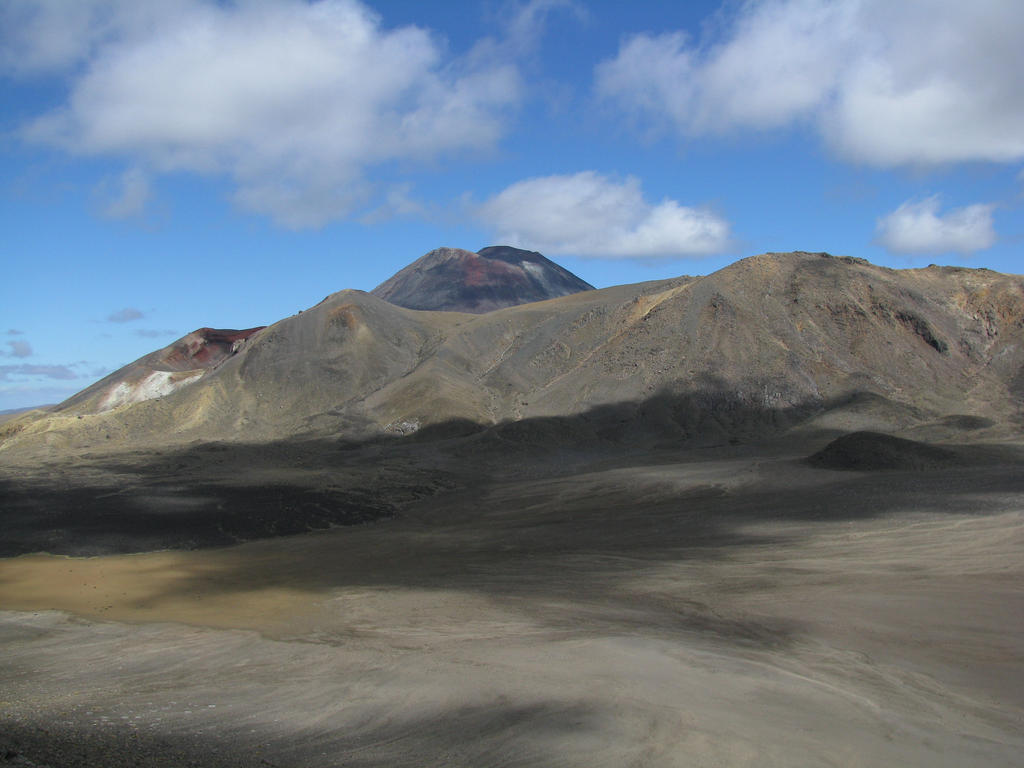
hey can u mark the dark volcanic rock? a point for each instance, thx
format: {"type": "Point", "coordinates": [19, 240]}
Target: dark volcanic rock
{"type": "Point", "coordinates": [875, 451]}
{"type": "Point", "coordinates": [91, 521]}
{"type": "Point", "coordinates": [455, 280]}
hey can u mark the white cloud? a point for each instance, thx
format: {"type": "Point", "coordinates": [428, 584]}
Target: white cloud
{"type": "Point", "coordinates": [295, 101]}
{"type": "Point", "coordinates": [918, 228]}
{"type": "Point", "coordinates": [885, 83]}
{"type": "Point", "coordinates": [526, 23]}
{"type": "Point", "coordinates": [45, 36]}
{"type": "Point", "coordinates": [131, 196]}
{"type": "Point", "coordinates": [590, 215]}
{"type": "Point", "coordinates": [126, 315]}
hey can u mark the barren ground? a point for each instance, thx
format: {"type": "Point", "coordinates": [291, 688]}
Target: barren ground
{"type": "Point", "coordinates": [704, 608]}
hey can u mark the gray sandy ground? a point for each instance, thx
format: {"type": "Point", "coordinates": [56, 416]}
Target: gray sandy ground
{"type": "Point", "coordinates": [686, 610]}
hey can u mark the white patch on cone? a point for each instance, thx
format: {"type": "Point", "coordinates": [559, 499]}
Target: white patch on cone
{"type": "Point", "coordinates": [540, 274]}
{"type": "Point", "coordinates": [157, 384]}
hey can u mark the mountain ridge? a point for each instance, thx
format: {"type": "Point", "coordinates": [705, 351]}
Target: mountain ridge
{"type": "Point", "coordinates": [804, 335]}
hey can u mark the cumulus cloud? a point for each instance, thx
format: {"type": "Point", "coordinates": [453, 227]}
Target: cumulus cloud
{"type": "Point", "coordinates": [15, 332]}
{"type": "Point", "coordinates": [591, 215]}
{"type": "Point", "coordinates": [294, 101]}
{"type": "Point", "coordinates": [885, 83]}
{"type": "Point", "coordinates": [126, 315]}
{"type": "Point", "coordinates": [20, 349]}
{"type": "Point", "coordinates": [152, 333]}
{"type": "Point", "coordinates": [46, 36]}
{"type": "Point", "coordinates": [917, 227]}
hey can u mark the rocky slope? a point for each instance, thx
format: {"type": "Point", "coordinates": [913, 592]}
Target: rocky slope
{"type": "Point", "coordinates": [455, 280]}
{"type": "Point", "coordinates": [163, 371]}
{"type": "Point", "coordinates": [768, 342]}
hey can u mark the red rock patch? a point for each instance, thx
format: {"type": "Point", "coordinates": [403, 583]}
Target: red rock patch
{"type": "Point", "coordinates": [205, 348]}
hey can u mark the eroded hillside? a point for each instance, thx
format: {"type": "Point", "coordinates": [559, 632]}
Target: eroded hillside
{"type": "Point", "coordinates": [769, 341]}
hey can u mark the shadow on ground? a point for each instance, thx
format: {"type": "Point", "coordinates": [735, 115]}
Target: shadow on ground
{"type": "Point", "coordinates": [215, 494]}
{"type": "Point", "coordinates": [603, 521]}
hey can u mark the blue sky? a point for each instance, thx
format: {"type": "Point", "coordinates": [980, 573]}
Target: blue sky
{"type": "Point", "coordinates": [176, 164]}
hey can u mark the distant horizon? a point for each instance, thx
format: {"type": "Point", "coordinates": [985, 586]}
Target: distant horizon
{"type": "Point", "coordinates": [162, 168]}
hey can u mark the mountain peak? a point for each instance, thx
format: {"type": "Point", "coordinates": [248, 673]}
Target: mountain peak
{"type": "Point", "coordinates": [456, 280]}
{"type": "Point", "coordinates": [512, 255]}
